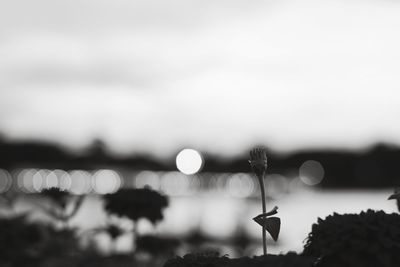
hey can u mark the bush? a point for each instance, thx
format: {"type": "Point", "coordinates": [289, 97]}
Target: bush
{"type": "Point", "coordinates": [200, 260]}
{"type": "Point", "coordinates": [58, 196]}
{"type": "Point", "coordinates": [136, 203]}
{"type": "Point", "coordinates": [94, 260]}
{"type": "Point", "coordinates": [285, 260]}
{"type": "Point", "coordinates": [371, 238]}
{"type": "Point", "coordinates": [24, 243]}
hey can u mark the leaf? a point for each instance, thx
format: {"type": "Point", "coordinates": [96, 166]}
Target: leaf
{"type": "Point", "coordinates": [394, 196]}
{"type": "Point", "coordinates": [271, 224]}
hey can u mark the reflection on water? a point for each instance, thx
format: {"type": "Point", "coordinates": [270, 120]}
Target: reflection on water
{"type": "Point", "coordinates": [215, 207]}
{"type": "Point", "coordinates": [222, 219]}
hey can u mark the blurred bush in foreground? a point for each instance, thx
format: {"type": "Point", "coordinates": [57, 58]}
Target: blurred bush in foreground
{"type": "Point", "coordinates": [370, 238]}
{"type": "Point", "coordinates": [40, 243]}
{"type": "Point", "coordinates": [136, 203]}
{"type": "Point", "coordinates": [214, 260]}
{"type": "Point", "coordinates": [24, 243]}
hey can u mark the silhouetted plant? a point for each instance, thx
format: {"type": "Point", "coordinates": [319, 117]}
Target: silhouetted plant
{"type": "Point", "coordinates": [371, 238]}
{"type": "Point", "coordinates": [136, 203]}
{"type": "Point", "coordinates": [396, 196]}
{"type": "Point", "coordinates": [61, 200]}
{"type": "Point", "coordinates": [258, 162]}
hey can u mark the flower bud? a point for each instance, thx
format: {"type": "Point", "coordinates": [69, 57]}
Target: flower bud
{"type": "Point", "coordinates": [258, 161]}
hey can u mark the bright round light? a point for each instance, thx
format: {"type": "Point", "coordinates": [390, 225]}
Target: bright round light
{"type": "Point", "coordinates": [5, 181]}
{"type": "Point", "coordinates": [311, 172]}
{"type": "Point", "coordinates": [106, 181]}
{"type": "Point", "coordinates": [189, 161]}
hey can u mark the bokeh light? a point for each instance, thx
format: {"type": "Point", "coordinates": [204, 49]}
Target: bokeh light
{"type": "Point", "coordinates": [311, 172]}
{"type": "Point", "coordinates": [25, 180]}
{"type": "Point", "coordinates": [174, 183]}
{"type": "Point", "coordinates": [147, 178]}
{"type": "Point", "coordinates": [189, 161]}
{"type": "Point", "coordinates": [38, 181]}
{"type": "Point", "coordinates": [106, 181]}
{"type": "Point", "coordinates": [80, 182]}
{"type": "Point", "coordinates": [64, 180]}
{"type": "Point", "coordinates": [218, 217]}
{"type": "Point", "coordinates": [5, 181]}
{"type": "Point", "coordinates": [277, 186]}
{"type": "Point", "coordinates": [51, 180]}
{"type": "Point", "coordinates": [240, 185]}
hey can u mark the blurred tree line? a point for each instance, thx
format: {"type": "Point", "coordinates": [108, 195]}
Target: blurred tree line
{"type": "Point", "coordinates": [373, 167]}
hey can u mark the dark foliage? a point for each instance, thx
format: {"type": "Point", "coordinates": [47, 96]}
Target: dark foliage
{"type": "Point", "coordinates": [136, 203]}
{"type": "Point", "coordinates": [58, 196]}
{"type": "Point", "coordinates": [95, 260]}
{"type": "Point", "coordinates": [371, 238]}
{"type": "Point", "coordinates": [24, 243]}
{"type": "Point", "coordinates": [198, 260]}
{"type": "Point", "coordinates": [114, 231]}
{"type": "Point", "coordinates": [157, 245]}
{"type": "Point", "coordinates": [287, 260]}
{"type": "Point", "coordinates": [213, 260]}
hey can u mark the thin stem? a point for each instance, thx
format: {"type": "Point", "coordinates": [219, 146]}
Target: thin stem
{"type": "Point", "coordinates": [264, 235]}
{"type": "Point", "coordinates": [134, 237]}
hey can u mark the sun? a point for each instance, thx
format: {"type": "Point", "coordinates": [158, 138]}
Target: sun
{"type": "Point", "coordinates": [189, 161]}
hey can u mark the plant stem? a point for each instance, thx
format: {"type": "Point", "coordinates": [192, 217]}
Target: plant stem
{"type": "Point", "coordinates": [134, 237]}
{"type": "Point", "coordinates": [264, 235]}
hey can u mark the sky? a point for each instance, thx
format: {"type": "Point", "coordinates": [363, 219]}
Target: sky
{"type": "Point", "coordinates": [153, 76]}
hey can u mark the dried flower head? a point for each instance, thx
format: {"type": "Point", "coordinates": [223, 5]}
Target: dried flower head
{"type": "Point", "coordinates": [258, 161]}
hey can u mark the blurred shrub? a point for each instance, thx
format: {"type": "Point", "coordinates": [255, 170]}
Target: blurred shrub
{"type": "Point", "coordinates": [94, 260]}
{"type": "Point", "coordinates": [371, 238]}
{"type": "Point", "coordinates": [285, 260]}
{"type": "Point", "coordinates": [157, 245]}
{"type": "Point", "coordinates": [136, 203]}
{"type": "Point", "coordinates": [59, 197]}
{"type": "Point", "coordinates": [24, 243]}
{"type": "Point", "coordinates": [200, 260]}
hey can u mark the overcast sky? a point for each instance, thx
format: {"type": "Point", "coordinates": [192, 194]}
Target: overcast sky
{"type": "Point", "coordinates": [220, 75]}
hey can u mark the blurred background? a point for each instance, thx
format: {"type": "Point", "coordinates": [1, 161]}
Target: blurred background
{"type": "Point", "coordinates": [100, 95]}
